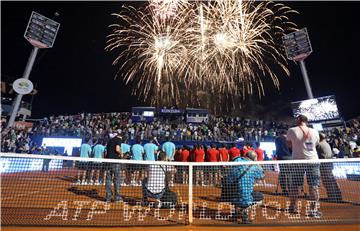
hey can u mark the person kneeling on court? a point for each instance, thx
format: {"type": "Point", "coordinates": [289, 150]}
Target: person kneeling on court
{"type": "Point", "coordinates": [154, 186]}
{"type": "Point", "coordinates": [239, 186]}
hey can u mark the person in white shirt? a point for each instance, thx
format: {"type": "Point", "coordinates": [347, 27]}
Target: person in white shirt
{"type": "Point", "coordinates": [303, 141]}
{"type": "Point", "coordinates": [154, 185]}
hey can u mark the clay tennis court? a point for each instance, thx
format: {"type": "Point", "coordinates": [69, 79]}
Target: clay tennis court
{"type": "Point", "coordinates": [354, 227]}
{"type": "Point", "coordinates": [28, 199]}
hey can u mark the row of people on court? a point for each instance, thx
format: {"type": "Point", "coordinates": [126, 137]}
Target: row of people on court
{"type": "Point", "coordinates": [134, 152]}
{"type": "Point", "coordinates": [150, 150]}
{"type": "Point", "coordinates": [216, 154]}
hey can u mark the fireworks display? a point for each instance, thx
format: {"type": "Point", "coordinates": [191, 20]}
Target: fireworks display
{"type": "Point", "coordinates": [186, 53]}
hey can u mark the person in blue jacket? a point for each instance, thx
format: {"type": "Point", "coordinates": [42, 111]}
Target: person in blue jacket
{"type": "Point", "coordinates": [240, 185]}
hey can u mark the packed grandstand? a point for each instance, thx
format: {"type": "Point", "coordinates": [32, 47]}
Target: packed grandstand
{"type": "Point", "coordinates": [344, 141]}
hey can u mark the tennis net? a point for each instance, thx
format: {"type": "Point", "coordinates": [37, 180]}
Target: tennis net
{"type": "Point", "coordinates": [57, 190]}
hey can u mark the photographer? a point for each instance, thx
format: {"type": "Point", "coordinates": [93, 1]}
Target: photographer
{"type": "Point", "coordinates": [238, 187]}
{"type": "Point", "coordinates": [156, 184]}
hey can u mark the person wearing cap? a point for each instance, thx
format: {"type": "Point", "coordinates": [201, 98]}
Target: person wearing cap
{"type": "Point", "coordinates": [327, 177]}
{"type": "Point", "coordinates": [303, 141]}
{"type": "Point", "coordinates": [239, 185]}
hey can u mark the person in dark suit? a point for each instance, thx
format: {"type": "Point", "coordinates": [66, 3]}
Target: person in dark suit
{"type": "Point", "coordinates": [283, 153]}
{"type": "Point", "coordinates": [327, 177]}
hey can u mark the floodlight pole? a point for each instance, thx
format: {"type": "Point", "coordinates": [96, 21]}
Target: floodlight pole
{"type": "Point", "coordinates": [26, 75]}
{"type": "Point", "coordinates": [298, 48]}
{"type": "Point", "coordinates": [306, 79]}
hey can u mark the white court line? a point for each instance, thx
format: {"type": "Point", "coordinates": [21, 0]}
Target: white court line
{"type": "Point", "coordinates": [30, 193]}
{"type": "Point", "coordinates": [25, 194]}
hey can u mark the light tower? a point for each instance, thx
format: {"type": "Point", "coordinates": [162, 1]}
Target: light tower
{"type": "Point", "coordinates": [298, 48]}
{"type": "Point", "coordinates": [41, 33]}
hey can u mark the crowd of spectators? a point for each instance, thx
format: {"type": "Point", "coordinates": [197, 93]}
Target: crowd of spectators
{"type": "Point", "coordinates": [345, 141]}
{"type": "Point", "coordinates": [103, 126]}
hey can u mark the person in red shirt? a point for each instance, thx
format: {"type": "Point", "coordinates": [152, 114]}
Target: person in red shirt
{"type": "Point", "coordinates": [185, 154]}
{"type": "Point", "coordinates": [199, 155]}
{"type": "Point", "coordinates": [213, 154]}
{"type": "Point", "coordinates": [224, 157]}
{"type": "Point", "coordinates": [185, 157]}
{"type": "Point", "coordinates": [234, 152]}
{"type": "Point", "coordinates": [259, 152]}
{"type": "Point", "coordinates": [246, 148]}
{"type": "Point", "coordinates": [213, 171]}
{"type": "Point", "coordinates": [224, 153]}
{"type": "Point", "coordinates": [177, 156]}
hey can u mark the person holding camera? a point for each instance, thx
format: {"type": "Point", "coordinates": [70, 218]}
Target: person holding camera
{"type": "Point", "coordinates": [238, 186]}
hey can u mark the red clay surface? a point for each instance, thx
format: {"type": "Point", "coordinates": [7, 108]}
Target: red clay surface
{"type": "Point", "coordinates": [354, 227]}
{"type": "Point", "coordinates": [29, 198]}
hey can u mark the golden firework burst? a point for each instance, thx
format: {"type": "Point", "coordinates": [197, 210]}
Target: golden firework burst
{"type": "Point", "coordinates": [223, 47]}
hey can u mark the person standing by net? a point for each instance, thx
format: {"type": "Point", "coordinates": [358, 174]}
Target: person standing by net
{"type": "Point", "coordinates": [126, 151]}
{"type": "Point", "coordinates": [213, 172]}
{"type": "Point", "coordinates": [224, 157]}
{"type": "Point", "coordinates": [84, 166]}
{"type": "Point", "coordinates": [169, 148]}
{"type": "Point", "coordinates": [137, 170]}
{"type": "Point", "coordinates": [99, 153]}
{"type": "Point", "coordinates": [199, 156]}
{"type": "Point", "coordinates": [283, 153]}
{"type": "Point", "coordinates": [113, 151]}
{"type": "Point", "coordinates": [183, 170]}
{"type": "Point", "coordinates": [151, 153]}
{"type": "Point", "coordinates": [327, 177]}
{"type": "Point", "coordinates": [46, 162]}
{"type": "Point", "coordinates": [303, 141]}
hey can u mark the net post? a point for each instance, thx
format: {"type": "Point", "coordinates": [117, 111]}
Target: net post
{"type": "Point", "coordinates": [190, 207]}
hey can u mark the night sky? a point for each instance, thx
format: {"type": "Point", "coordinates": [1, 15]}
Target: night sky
{"type": "Point", "coordinates": [76, 75]}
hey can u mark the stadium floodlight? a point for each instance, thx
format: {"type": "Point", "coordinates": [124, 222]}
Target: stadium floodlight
{"type": "Point", "coordinates": [298, 48]}
{"type": "Point", "coordinates": [41, 33]}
